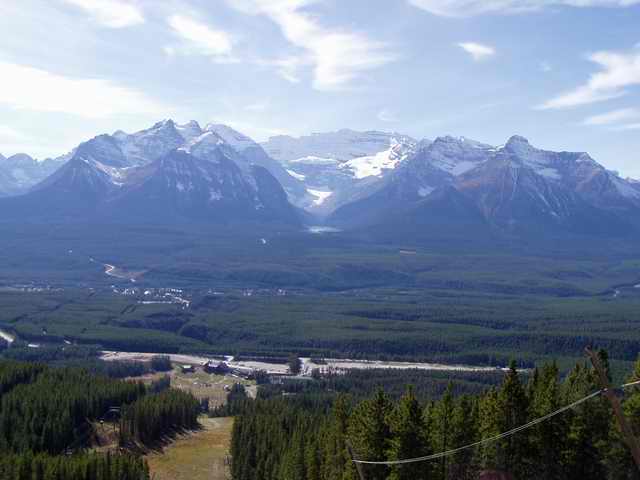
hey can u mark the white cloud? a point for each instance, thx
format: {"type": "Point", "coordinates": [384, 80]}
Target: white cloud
{"type": "Point", "coordinates": [111, 13]}
{"type": "Point", "coordinates": [9, 133]}
{"type": "Point", "coordinates": [468, 8]}
{"type": "Point", "coordinates": [385, 115]}
{"type": "Point", "coordinates": [619, 70]}
{"type": "Point", "coordinates": [613, 117]}
{"type": "Point", "coordinates": [629, 126]}
{"type": "Point", "coordinates": [200, 38]}
{"type": "Point", "coordinates": [545, 67]}
{"type": "Point", "coordinates": [477, 51]}
{"type": "Point", "coordinates": [257, 133]}
{"type": "Point", "coordinates": [257, 106]}
{"type": "Point", "coordinates": [338, 56]}
{"type": "Point", "coordinates": [28, 88]}
{"type": "Point", "coordinates": [286, 67]}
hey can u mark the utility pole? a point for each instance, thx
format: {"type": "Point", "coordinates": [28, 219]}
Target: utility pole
{"type": "Point", "coordinates": [625, 428]}
{"type": "Point", "coordinates": [358, 465]}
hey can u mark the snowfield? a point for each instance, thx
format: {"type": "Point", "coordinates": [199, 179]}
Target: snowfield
{"type": "Point", "coordinates": [373, 165]}
{"type": "Point", "coordinates": [321, 195]}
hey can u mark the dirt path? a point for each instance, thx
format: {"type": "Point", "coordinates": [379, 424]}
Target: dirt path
{"type": "Point", "coordinates": [197, 456]}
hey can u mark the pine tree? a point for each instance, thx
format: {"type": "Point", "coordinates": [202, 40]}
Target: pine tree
{"type": "Point", "coordinates": [441, 430]}
{"type": "Point", "coordinates": [337, 464]}
{"type": "Point", "coordinates": [408, 439]}
{"type": "Point", "coordinates": [293, 464]}
{"type": "Point", "coordinates": [312, 461]}
{"type": "Point", "coordinates": [513, 451]}
{"type": "Point", "coordinates": [464, 431]}
{"type": "Point", "coordinates": [489, 426]}
{"type": "Point", "coordinates": [548, 438]}
{"type": "Point", "coordinates": [618, 458]}
{"type": "Point", "coordinates": [587, 427]}
{"type": "Point", "coordinates": [369, 433]}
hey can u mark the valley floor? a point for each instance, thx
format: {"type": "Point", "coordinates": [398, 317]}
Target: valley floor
{"type": "Point", "coordinates": [196, 456]}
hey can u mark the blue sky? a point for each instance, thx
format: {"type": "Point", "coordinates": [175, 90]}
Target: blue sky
{"type": "Point", "coordinates": [564, 73]}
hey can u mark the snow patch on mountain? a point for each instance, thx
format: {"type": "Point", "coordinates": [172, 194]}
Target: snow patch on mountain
{"type": "Point", "coordinates": [320, 195]}
{"type": "Point", "coordinates": [342, 145]}
{"type": "Point", "coordinates": [189, 130]}
{"type": "Point", "coordinates": [425, 191]}
{"type": "Point", "coordinates": [625, 188]}
{"type": "Point", "coordinates": [455, 155]}
{"type": "Point", "coordinates": [295, 175]}
{"type": "Point", "coordinates": [20, 172]}
{"type": "Point", "coordinates": [116, 175]}
{"type": "Point", "coordinates": [540, 161]}
{"type": "Point", "coordinates": [237, 140]}
{"type": "Point", "coordinates": [375, 165]}
{"type": "Point", "coordinates": [460, 168]}
{"type": "Point", "coordinates": [147, 145]}
{"type": "Point", "coordinates": [548, 173]}
{"type": "Point", "coordinates": [346, 163]}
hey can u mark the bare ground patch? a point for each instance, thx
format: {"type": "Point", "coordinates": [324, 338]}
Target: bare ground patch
{"type": "Point", "coordinates": [196, 455]}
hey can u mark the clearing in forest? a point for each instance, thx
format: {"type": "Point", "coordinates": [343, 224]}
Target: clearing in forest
{"type": "Point", "coordinates": [196, 456]}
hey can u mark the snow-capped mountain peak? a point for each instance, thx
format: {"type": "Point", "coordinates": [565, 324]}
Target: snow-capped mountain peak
{"type": "Point", "coordinates": [185, 167]}
{"type": "Point", "coordinates": [147, 145]}
{"type": "Point", "coordinates": [20, 172]}
{"type": "Point", "coordinates": [625, 188]}
{"type": "Point", "coordinates": [516, 187]}
{"type": "Point", "coordinates": [207, 145]}
{"type": "Point", "coordinates": [520, 153]}
{"type": "Point", "coordinates": [189, 130]}
{"type": "Point", "coordinates": [520, 148]}
{"type": "Point", "coordinates": [235, 139]}
{"type": "Point", "coordinates": [456, 155]}
{"type": "Point", "coordinates": [518, 143]}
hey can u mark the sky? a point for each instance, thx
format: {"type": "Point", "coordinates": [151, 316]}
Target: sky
{"type": "Point", "coordinates": [563, 73]}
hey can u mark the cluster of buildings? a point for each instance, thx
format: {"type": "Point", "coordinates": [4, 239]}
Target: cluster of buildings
{"type": "Point", "coordinates": [221, 368]}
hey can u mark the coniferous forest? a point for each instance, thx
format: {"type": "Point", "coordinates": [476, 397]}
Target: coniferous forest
{"type": "Point", "coordinates": [47, 415]}
{"type": "Point", "coordinates": [151, 417]}
{"type": "Point", "coordinates": [302, 437]}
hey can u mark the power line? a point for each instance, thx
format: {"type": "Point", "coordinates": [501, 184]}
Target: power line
{"type": "Point", "coordinates": [630, 384]}
{"type": "Point", "coordinates": [496, 437]}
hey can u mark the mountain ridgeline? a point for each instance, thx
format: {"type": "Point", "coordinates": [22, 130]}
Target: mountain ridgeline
{"type": "Point", "coordinates": [385, 185]}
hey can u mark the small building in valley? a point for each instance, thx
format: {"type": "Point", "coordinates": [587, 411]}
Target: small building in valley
{"type": "Point", "coordinates": [188, 369]}
{"type": "Point", "coordinates": [218, 368]}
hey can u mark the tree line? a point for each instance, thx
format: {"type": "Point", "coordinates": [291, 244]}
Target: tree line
{"type": "Point", "coordinates": [152, 417]}
{"type": "Point", "coordinates": [51, 413]}
{"type": "Point", "coordinates": [290, 439]}
{"type": "Point", "coordinates": [29, 466]}
{"type": "Point", "coordinates": [47, 415]}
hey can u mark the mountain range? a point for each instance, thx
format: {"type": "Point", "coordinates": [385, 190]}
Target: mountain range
{"type": "Point", "coordinates": [168, 172]}
{"type": "Point", "coordinates": [376, 182]}
{"type": "Point", "coordinates": [20, 172]}
{"type": "Point", "coordinates": [514, 188]}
